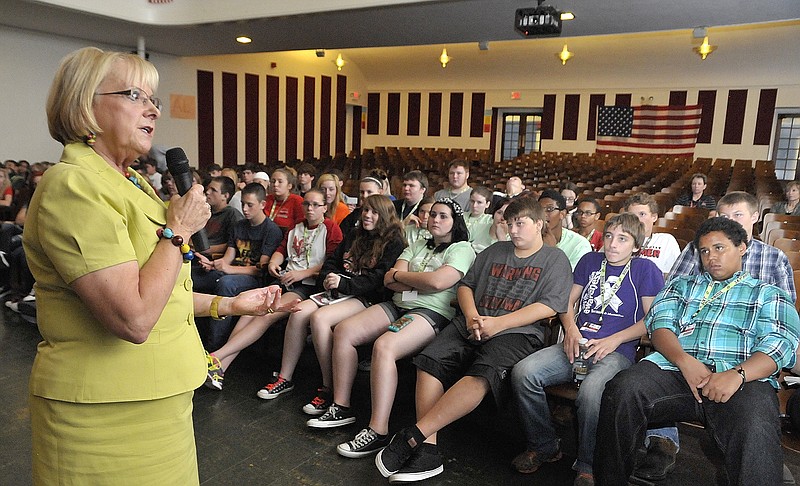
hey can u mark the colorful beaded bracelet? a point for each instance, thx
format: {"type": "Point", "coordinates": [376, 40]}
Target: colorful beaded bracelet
{"type": "Point", "coordinates": [177, 240]}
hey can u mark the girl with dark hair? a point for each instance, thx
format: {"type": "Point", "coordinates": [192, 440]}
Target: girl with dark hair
{"type": "Point", "coordinates": [356, 268]}
{"type": "Point", "coordinates": [423, 280]}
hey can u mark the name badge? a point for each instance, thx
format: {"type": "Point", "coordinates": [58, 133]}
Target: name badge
{"type": "Point", "coordinates": [409, 295]}
{"type": "Point", "coordinates": [590, 327]}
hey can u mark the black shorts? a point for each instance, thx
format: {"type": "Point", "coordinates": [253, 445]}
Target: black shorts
{"type": "Point", "coordinates": [450, 357]}
{"type": "Point", "coordinates": [436, 320]}
{"type": "Point", "coordinates": [303, 290]}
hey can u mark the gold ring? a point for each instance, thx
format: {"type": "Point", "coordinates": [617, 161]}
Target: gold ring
{"type": "Point", "coordinates": [270, 310]}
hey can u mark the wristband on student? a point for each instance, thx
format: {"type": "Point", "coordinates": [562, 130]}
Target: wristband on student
{"type": "Point", "coordinates": [214, 309]}
{"type": "Point", "coordinates": [740, 370]}
{"type": "Point", "coordinates": [394, 276]}
{"type": "Point", "coordinates": [177, 240]}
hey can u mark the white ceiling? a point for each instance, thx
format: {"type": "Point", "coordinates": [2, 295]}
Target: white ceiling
{"type": "Point", "coordinates": [206, 27]}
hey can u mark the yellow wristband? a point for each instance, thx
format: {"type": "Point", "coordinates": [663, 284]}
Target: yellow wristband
{"type": "Point", "coordinates": [214, 310]}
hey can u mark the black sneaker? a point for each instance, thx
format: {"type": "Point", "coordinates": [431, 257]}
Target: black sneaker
{"type": "Point", "coordinates": [278, 387]}
{"type": "Point", "coordinates": [398, 452]}
{"type": "Point", "coordinates": [425, 462]}
{"type": "Point", "coordinates": [365, 443]}
{"type": "Point", "coordinates": [336, 416]}
{"type": "Point", "coordinates": [320, 403]}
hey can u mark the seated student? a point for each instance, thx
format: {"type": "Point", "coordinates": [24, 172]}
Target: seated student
{"type": "Point", "coordinates": [614, 291]}
{"type": "Point", "coordinates": [761, 261]}
{"type": "Point", "coordinates": [306, 173]}
{"type": "Point", "coordinates": [511, 287]}
{"type": "Point", "coordinates": [423, 281]}
{"type": "Point", "coordinates": [695, 198]}
{"type": "Point", "coordinates": [458, 188]}
{"type": "Point", "coordinates": [303, 249]}
{"type": "Point", "coordinates": [283, 206]}
{"type": "Point", "coordinates": [570, 192]}
{"type": "Point", "coordinates": [498, 231]}
{"type": "Point", "coordinates": [661, 248]}
{"type": "Point", "coordinates": [415, 183]}
{"type": "Point", "coordinates": [337, 209]}
{"type": "Point", "coordinates": [587, 214]}
{"type": "Point", "coordinates": [6, 191]}
{"type": "Point", "coordinates": [479, 222]}
{"type": "Point", "coordinates": [236, 200]}
{"type": "Point", "coordinates": [720, 339]}
{"type": "Point", "coordinates": [356, 268]}
{"type": "Point", "coordinates": [790, 206]}
{"type": "Point", "coordinates": [571, 243]}
{"type": "Point", "coordinates": [366, 187]}
{"type": "Point", "coordinates": [223, 217]}
{"type": "Point", "coordinates": [249, 248]}
{"type": "Point", "coordinates": [418, 229]}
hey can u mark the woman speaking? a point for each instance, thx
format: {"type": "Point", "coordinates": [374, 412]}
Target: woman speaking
{"type": "Point", "coordinates": [112, 383]}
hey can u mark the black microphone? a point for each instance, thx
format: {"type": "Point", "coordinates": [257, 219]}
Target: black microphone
{"type": "Point", "coordinates": [178, 166]}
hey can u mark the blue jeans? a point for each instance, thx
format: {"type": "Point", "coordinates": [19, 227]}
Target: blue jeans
{"type": "Point", "coordinates": [550, 366]}
{"type": "Point", "coordinates": [746, 428]}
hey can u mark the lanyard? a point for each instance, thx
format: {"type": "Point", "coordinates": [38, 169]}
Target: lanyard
{"type": "Point", "coordinates": [614, 289]}
{"type": "Point", "coordinates": [309, 244]}
{"type": "Point", "coordinates": [425, 261]}
{"type": "Point", "coordinates": [403, 209]}
{"type": "Point", "coordinates": [275, 209]}
{"type": "Point", "coordinates": [706, 300]}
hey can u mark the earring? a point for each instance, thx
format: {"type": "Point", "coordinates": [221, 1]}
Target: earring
{"type": "Point", "coordinates": [90, 139]}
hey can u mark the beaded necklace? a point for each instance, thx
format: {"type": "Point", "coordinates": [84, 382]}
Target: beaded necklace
{"type": "Point", "coordinates": [133, 179]}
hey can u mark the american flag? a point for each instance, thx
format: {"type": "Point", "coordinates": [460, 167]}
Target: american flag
{"type": "Point", "coordinates": [660, 130]}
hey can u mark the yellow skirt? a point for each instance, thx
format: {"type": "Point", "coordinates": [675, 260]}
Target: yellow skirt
{"type": "Point", "coordinates": [146, 442]}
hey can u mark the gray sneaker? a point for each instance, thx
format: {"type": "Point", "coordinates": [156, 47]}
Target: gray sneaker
{"type": "Point", "coordinates": [365, 443]}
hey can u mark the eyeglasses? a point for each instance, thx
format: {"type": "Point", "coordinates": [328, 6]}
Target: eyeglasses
{"type": "Point", "coordinates": [136, 94]}
{"type": "Point", "coordinates": [580, 213]}
{"type": "Point", "coordinates": [550, 209]}
{"type": "Point", "coordinates": [307, 204]}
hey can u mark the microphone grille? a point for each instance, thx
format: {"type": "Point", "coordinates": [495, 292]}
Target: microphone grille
{"type": "Point", "coordinates": [176, 158]}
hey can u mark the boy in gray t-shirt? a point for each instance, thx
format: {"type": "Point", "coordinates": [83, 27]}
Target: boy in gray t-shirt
{"type": "Point", "coordinates": [511, 287]}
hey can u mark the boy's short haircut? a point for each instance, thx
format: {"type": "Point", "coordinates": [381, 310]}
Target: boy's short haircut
{"type": "Point", "coordinates": [226, 185]}
{"type": "Point", "coordinates": [629, 223]}
{"type": "Point", "coordinates": [483, 191]}
{"type": "Point", "coordinates": [306, 168]}
{"type": "Point", "coordinates": [730, 228]}
{"type": "Point", "coordinates": [213, 167]}
{"type": "Point", "coordinates": [255, 189]}
{"type": "Point", "coordinates": [524, 206]}
{"type": "Point", "coordinates": [561, 201]}
{"type": "Point", "coordinates": [642, 199]}
{"type": "Point", "coordinates": [590, 200]}
{"type": "Point", "coordinates": [459, 163]}
{"type": "Point", "coordinates": [416, 175]}
{"type": "Point", "coordinates": [736, 197]}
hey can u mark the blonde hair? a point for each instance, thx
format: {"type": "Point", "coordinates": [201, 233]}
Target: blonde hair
{"type": "Point", "coordinates": [228, 172]}
{"type": "Point", "coordinates": [70, 113]}
{"type": "Point", "coordinates": [339, 196]}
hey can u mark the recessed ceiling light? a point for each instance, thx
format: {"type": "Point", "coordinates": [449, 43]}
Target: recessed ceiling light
{"type": "Point", "coordinates": [243, 39]}
{"type": "Point", "coordinates": [567, 16]}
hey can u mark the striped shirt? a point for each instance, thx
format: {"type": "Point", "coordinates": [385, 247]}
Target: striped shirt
{"type": "Point", "coordinates": [762, 261]}
{"type": "Point", "coordinates": [751, 316]}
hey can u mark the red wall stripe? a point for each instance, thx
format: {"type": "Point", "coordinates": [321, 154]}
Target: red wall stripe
{"type": "Point", "coordinates": [434, 114]}
{"type": "Point", "coordinates": [341, 113]}
{"type": "Point", "coordinates": [205, 118]}
{"type": "Point", "coordinates": [548, 116]}
{"type": "Point", "coordinates": [623, 99]}
{"type": "Point", "coordinates": [393, 114]}
{"type": "Point", "coordinates": [309, 103]}
{"type": "Point", "coordinates": [595, 100]}
{"type": "Point", "coordinates": [357, 129]}
{"type": "Point", "coordinates": [677, 98]}
{"type": "Point", "coordinates": [456, 114]}
{"type": "Point", "coordinates": [252, 118]}
{"type": "Point", "coordinates": [373, 113]}
{"type": "Point", "coordinates": [708, 100]}
{"type": "Point", "coordinates": [766, 113]}
{"type": "Point", "coordinates": [414, 106]}
{"type": "Point", "coordinates": [273, 91]}
{"type": "Point", "coordinates": [476, 115]}
{"type": "Point", "coordinates": [230, 120]}
{"type": "Point", "coordinates": [493, 134]}
{"type": "Point", "coordinates": [290, 122]}
{"type": "Point", "coordinates": [325, 117]}
{"type": "Point", "coordinates": [572, 106]}
{"type": "Point", "coordinates": [734, 117]}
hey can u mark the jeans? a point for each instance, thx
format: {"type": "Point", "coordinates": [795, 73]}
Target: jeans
{"type": "Point", "coordinates": [215, 333]}
{"type": "Point", "coordinates": [669, 433]}
{"type": "Point", "coordinates": [746, 428]}
{"type": "Point", "coordinates": [550, 366]}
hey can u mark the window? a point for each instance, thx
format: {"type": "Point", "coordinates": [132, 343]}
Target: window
{"type": "Point", "coordinates": [787, 147]}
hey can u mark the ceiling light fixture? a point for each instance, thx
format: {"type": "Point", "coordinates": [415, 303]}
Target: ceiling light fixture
{"type": "Point", "coordinates": [444, 58]}
{"type": "Point", "coordinates": [564, 55]}
{"type": "Point", "coordinates": [243, 39]}
{"type": "Point", "coordinates": [704, 49]}
{"type": "Point", "coordinates": [339, 62]}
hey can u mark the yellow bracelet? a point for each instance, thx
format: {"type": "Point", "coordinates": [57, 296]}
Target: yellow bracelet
{"type": "Point", "coordinates": [214, 310]}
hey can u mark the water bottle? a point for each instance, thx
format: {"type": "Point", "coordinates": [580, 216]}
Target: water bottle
{"type": "Point", "coordinates": [580, 367]}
